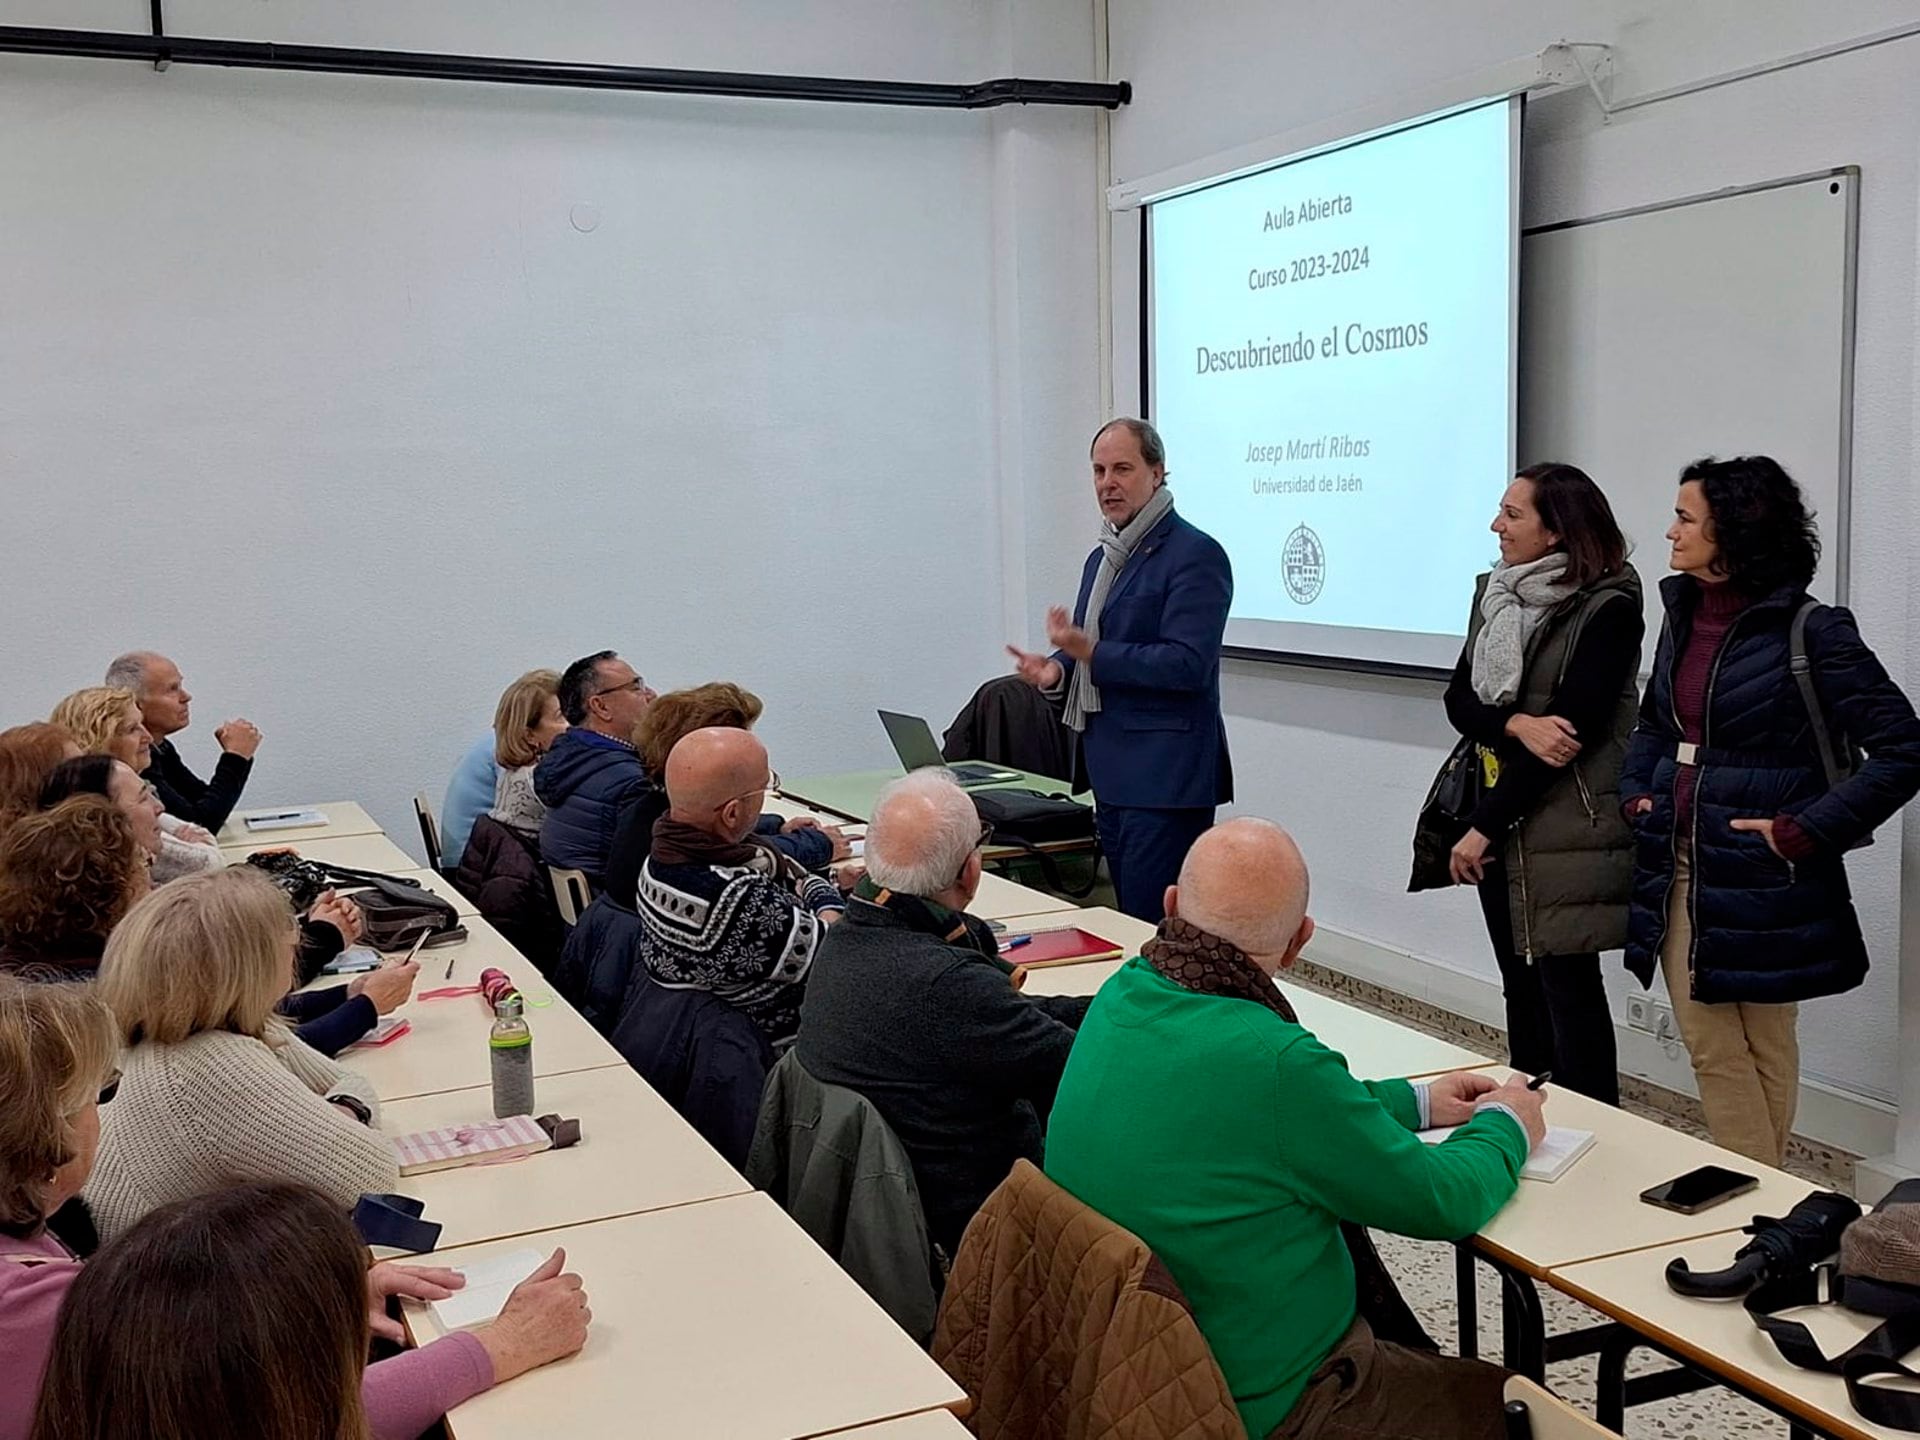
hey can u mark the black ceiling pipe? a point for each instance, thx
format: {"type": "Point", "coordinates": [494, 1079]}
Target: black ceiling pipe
{"type": "Point", "coordinates": [330, 59]}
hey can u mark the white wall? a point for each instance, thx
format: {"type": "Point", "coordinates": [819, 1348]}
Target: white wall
{"type": "Point", "coordinates": [314, 383]}
{"type": "Point", "coordinates": [1346, 760]}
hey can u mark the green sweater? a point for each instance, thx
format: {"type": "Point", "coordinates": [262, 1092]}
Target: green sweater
{"type": "Point", "coordinates": [1233, 1143]}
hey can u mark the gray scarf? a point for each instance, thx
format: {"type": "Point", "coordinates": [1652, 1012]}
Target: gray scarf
{"type": "Point", "coordinates": [1117, 547]}
{"type": "Point", "coordinates": [1516, 600]}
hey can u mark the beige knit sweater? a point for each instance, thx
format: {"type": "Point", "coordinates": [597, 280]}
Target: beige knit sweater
{"type": "Point", "coordinates": [221, 1108]}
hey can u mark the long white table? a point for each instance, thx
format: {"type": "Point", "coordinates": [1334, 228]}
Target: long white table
{"type": "Point", "coordinates": [343, 817]}
{"type": "Point", "coordinates": [999, 897]}
{"type": "Point", "coordinates": [634, 1154]}
{"type": "Point", "coordinates": [1717, 1337]}
{"type": "Point", "coordinates": [721, 1321]}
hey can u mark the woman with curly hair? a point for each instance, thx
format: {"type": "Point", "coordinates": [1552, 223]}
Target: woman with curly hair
{"type": "Point", "coordinates": [1740, 895]}
{"type": "Point", "coordinates": [67, 876]}
{"type": "Point", "coordinates": [28, 754]}
{"type": "Point", "coordinates": [106, 721]}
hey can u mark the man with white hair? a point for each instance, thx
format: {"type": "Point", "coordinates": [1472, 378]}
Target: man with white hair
{"type": "Point", "coordinates": [1201, 1115]}
{"type": "Point", "coordinates": [911, 1006]}
{"type": "Point", "coordinates": [165, 710]}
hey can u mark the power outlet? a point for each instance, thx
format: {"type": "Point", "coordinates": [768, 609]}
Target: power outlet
{"type": "Point", "coordinates": [1648, 1015]}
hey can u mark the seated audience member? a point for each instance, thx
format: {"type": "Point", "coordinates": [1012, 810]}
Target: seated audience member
{"type": "Point", "coordinates": [28, 754]}
{"type": "Point", "coordinates": [165, 708]}
{"type": "Point", "coordinates": [215, 1089]}
{"type": "Point", "coordinates": [107, 722]}
{"type": "Point", "coordinates": [67, 876]}
{"type": "Point", "coordinates": [1241, 1190]}
{"type": "Point", "coordinates": [525, 724]}
{"type": "Point", "coordinates": [470, 790]}
{"type": "Point", "coordinates": [331, 1019]}
{"type": "Point", "coordinates": [592, 772]}
{"type": "Point", "coordinates": [672, 716]}
{"type": "Point", "coordinates": [58, 1045]}
{"type": "Point", "coordinates": [910, 1004]}
{"type": "Point", "coordinates": [720, 910]}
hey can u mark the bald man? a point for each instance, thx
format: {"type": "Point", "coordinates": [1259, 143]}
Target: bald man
{"type": "Point", "coordinates": [911, 1005]}
{"type": "Point", "coordinates": [165, 709]}
{"type": "Point", "coordinates": [1197, 1112]}
{"type": "Point", "coordinates": [722, 911]}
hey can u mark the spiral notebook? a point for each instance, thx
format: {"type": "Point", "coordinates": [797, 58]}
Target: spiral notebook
{"type": "Point", "coordinates": [1551, 1158]}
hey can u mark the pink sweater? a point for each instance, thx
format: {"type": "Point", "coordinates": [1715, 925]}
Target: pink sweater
{"type": "Point", "coordinates": [403, 1395]}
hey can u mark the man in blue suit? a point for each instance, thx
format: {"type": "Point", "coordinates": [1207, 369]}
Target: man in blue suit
{"type": "Point", "coordinates": [1138, 664]}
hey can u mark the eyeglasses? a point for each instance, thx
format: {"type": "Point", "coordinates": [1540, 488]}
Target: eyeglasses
{"type": "Point", "coordinates": [636, 685]}
{"type": "Point", "coordinates": [986, 835]}
{"type": "Point", "coordinates": [773, 783]}
{"type": "Point", "coordinates": [111, 1088]}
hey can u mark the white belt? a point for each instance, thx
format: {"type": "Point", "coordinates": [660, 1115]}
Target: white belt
{"type": "Point", "coordinates": [1686, 753]}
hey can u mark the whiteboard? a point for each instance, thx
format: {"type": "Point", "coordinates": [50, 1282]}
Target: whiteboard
{"type": "Point", "coordinates": [1719, 325]}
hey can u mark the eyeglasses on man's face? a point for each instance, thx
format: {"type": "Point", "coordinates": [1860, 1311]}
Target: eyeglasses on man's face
{"type": "Point", "coordinates": [636, 685]}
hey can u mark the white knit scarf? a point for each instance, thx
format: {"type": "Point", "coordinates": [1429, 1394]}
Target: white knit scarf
{"type": "Point", "coordinates": [1517, 599]}
{"type": "Point", "coordinates": [1117, 546]}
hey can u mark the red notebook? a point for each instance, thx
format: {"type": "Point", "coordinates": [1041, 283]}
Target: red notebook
{"type": "Point", "coordinates": [1060, 947]}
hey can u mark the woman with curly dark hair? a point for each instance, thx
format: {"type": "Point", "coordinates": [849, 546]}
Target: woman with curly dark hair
{"type": "Point", "coordinates": [67, 877]}
{"type": "Point", "coordinates": [1741, 813]}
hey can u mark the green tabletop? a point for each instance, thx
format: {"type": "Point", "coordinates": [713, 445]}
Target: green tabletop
{"type": "Point", "coordinates": [852, 794]}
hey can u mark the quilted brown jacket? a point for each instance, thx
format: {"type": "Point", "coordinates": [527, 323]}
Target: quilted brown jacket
{"type": "Point", "coordinates": [1060, 1325]}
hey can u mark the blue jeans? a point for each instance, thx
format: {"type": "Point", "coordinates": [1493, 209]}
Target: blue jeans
{"type": "Point", "coordinates": [1144, 850]}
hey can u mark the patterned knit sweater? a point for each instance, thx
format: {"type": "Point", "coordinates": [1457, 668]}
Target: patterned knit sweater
{"type": "Point", "coordinates": [737, 931]}
{"type": "Point", "coordinates": [222, 1108]}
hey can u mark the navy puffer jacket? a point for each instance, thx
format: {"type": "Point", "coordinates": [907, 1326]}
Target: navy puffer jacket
{"type": "Point", "coordinates": [586, 780]}
{"type": "Point", "coordinates": [1765, 931]}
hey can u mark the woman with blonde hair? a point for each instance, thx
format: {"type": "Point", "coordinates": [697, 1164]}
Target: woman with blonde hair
{"type": "Point", "coordinates": [525, 723]}
{"type": "Point", "coordinates": [106, 721]}
{"type": "Point", "coordinates": [216, 1088]}
{"type": "Point", "coordinates": [58, 1047]}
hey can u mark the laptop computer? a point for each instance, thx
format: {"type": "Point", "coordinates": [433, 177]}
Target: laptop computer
{"type": "Point", "coordinates": [913, 742]}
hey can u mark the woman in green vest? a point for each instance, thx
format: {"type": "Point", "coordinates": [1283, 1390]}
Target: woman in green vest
{"type": "Point", "coordinates": [1545, 688]}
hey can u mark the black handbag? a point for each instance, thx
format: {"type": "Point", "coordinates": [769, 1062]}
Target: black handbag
{"type": "Point", "coordinates": [1026, 820]}
{"type": "Point", "coordinates": [395, 909]}
{"type": "Point", "coordinates": [1455, 794]}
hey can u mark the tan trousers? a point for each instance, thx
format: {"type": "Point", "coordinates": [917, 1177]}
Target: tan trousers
{"type": "Point", "coordinates": [1746, 1058]}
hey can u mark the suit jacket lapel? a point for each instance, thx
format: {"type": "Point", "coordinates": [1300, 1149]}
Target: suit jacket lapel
{"type": "Point", "coordinates": [1136, 562]}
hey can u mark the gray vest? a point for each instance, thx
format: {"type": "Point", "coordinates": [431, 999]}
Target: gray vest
{"type": "Point", "coordinates": [1569, 861]}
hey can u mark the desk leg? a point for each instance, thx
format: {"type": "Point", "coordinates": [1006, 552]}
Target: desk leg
{"type": "Point", "coordinates": [1467, 1298]}
{"type": "Point", "coordinates": [1610, 1381]}
{"type": "Point", "coordinates": [1524, 1325]}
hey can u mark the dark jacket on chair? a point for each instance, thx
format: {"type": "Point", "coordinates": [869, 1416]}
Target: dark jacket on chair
{"type": "Point", "coordinates": [598, 961]}
{"type": "Point", "coordinates": [1008, 722]}
{"type": "Point", "coordinates": [586, 780]}
{"type": "Point", "coordinates": [826, 1155]}
{"type": "Point", "coordinates": [705, 1058]}
{"type": "Point", "coordinates": [927, 1025]}
{"type": "Point", "coordinates": [501, 873]}
{"type": "Point", "coordinates": [1766, 931]}
{"type": "Point", "coordinates": [1158, 740]}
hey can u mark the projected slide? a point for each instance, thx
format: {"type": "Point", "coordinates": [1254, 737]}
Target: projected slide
{"type": "Point", "coordinates": [1331, 351]}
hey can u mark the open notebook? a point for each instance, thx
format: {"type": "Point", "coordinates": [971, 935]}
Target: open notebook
{"type": "Point", "coordinates": [1551, 1158]}
{"type": "Point", "coordinates": [489, 1283]}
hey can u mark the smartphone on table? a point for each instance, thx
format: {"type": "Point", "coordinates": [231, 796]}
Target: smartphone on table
{"type": "Point", "coordinates": [1700, 1189]}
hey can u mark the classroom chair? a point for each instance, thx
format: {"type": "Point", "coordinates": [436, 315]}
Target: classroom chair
{"type": "Point", "coordinates": [571, 892]}
{"type": "Point", "coordinates": [1060, 1324]}
{"type": "Point", "coordinates": [429, 832]}
{"type": "Point", "coordinates": [1537, 1414]}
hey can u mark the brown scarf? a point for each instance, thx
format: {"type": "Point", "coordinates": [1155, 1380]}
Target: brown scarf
{"type": "Point", "coordinates": [1195, 960]}
{"type": "Point", "coordinates": [675, 842]}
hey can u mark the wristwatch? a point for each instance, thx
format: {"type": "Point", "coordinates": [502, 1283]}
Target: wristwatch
{"type": "Point", "coordinates": [361, 1110]}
